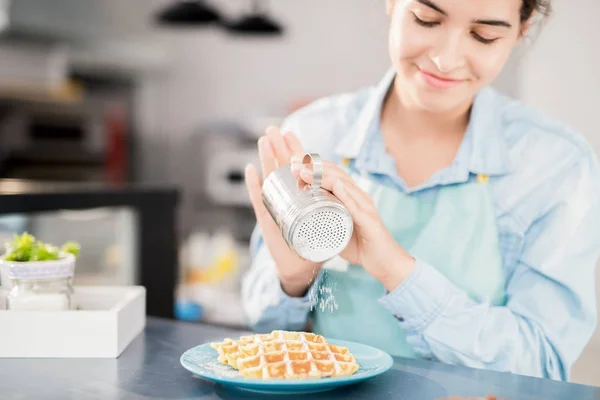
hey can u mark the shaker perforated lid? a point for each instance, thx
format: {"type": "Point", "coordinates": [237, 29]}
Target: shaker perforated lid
{"type": "Point", "coordinates": [322, 233]}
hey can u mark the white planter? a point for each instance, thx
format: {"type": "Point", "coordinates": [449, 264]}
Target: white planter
{"type": "Point", "coordinates": [107, 322]}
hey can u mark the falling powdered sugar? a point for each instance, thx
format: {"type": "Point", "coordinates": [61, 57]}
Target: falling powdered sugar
{"type": "Point", "coordinates": [322, 295]}
{"type": "Point", "coordinates": [327, 299]}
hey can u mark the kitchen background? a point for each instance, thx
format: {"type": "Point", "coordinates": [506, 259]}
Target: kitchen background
{"type": "Point", "coordinates": [103, 91]}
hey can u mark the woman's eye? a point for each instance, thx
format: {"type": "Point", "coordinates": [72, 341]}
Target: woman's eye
{"type": "Point", "coordinates": [482, 39]}
{"type": "Point", "coordinates": [428, 24]}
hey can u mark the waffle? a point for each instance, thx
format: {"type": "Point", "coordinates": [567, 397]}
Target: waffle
{"type": "Point", "coordinates": [286, 355]}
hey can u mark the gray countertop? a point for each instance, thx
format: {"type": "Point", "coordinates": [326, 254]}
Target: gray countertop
{"type": "Point", "coordinates": [150, 369]}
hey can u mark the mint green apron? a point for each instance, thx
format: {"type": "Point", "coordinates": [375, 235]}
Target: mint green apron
{"type": "Point", "coordinates": [455, 232]}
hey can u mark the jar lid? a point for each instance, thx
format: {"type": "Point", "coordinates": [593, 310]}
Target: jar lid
{"type": "Point", "coordinates": [62, 268]}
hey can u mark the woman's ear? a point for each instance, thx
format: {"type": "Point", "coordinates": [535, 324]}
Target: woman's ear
{"type": "Point", "coordinates": [389, 7]}
{"type": "Point", "coordinates": [525, 27]}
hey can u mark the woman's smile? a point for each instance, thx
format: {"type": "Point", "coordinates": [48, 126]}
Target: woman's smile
{"type": "Point", "coordinates": [437, 81]}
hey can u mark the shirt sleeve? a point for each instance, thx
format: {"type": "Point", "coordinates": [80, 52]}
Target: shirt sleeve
{"type": "Point", "coordinates": [550, 313]}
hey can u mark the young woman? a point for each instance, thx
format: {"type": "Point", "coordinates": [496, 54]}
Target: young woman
{"type": "Point", "coordinates": [476, 218]}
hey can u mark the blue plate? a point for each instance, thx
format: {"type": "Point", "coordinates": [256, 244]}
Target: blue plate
{"type": "Point", "coordinates": [202, 361]}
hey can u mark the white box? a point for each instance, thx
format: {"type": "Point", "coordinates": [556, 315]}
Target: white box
{"type": "Point", "coordinates": [108, 320]}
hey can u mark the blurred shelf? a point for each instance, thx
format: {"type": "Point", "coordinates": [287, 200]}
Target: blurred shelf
{"type": "Point", "coordinates": [68, 92]}
{"type": "Point", "coordinates": [120, 58]}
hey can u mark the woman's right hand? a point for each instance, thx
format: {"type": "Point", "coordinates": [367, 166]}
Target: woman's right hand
{"type": "Point", "coordinates": [275, 150]}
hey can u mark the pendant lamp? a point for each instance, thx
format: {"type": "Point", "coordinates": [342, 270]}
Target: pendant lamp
{"type": "Point", "coordinates": [188, 13]}
{"type": "Point", "coordinates": [257, 22]}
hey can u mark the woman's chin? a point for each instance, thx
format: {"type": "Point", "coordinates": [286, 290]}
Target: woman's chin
{"type": "Point", "coordinates": [438, 100]}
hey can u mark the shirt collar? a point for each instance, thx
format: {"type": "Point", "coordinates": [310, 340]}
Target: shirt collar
{"type": "Point", "coordinates": [483, 150]}
{"type": "Point", "coordinates": [350, 146]}
{"type": "Point", "coordinates": [489, 152]}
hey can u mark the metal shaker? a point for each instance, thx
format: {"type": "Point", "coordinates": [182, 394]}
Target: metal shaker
{"type": "Point", "coordinates": [313, 222]}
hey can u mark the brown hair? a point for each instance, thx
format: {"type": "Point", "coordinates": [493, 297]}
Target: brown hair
{"type": "Point", "coordinates": [544, 7]}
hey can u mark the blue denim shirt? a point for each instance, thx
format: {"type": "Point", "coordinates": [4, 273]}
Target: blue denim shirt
{"type": "Point", "coordinates": [545, 182]}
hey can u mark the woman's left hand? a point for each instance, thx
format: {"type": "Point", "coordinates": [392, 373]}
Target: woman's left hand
{"type": "Point", "coordinates": [372, 245]}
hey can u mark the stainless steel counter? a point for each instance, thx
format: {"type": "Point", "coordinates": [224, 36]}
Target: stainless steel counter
{"type": "Point", "coordinates": [150, 369]}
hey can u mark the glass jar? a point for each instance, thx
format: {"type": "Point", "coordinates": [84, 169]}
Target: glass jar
{"type": "Point", "coordinates": [41, 285]}
{"type": "Point", "coordinates": [54, 294]}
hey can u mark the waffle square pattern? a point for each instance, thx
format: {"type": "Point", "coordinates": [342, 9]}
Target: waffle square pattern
{"type": "Point", "coordinates": [286, 355]}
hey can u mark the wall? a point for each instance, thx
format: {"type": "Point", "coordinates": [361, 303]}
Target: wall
{"type": "Point", "coordinates": [560, 73]}
{"type": "Point", "coordinates": [323, 51]}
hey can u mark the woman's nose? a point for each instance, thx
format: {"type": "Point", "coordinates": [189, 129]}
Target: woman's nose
{"type": "Point", "coordinates": [448, 55]}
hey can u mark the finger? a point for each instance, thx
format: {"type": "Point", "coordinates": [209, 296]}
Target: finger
{"type": "Point", "coordinates": [296, 150]}
{"type": "Point", "coordinates": [254, 187]}
{"type": "Point", "coordinates": [362, 198]}
{"type": "Point", "coordinates": [336, 170]}
{"type": "Point", "coordinates": [293, 144]}
{"type": "Point", "coordinates": [348, 198]}
{"type": "Point", "coordinates": [339, 189]}
{"type": "Point", "coordinates": [331, 172]}
{"type": "Point", "coordinates": [263, 217]}
{"type": "Point", "coordinates": [297, 162]}
{"type": "Point", "coordinates": [267, 157]}
{"type": "Point", "coordinates": [280, 148]}
{"type": "Point", "coordinates": [328, 179]}
{"type": "Point", "coordinates": [359, 196]}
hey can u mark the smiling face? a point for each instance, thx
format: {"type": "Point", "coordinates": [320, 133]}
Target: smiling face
{"type": "Point", "coordinates": [445, 51]}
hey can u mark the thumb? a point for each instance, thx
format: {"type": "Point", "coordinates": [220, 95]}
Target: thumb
{"type": "Point", "coordinates": [269, 229]}
{"type": "Point", "coordinates": [254, 187]}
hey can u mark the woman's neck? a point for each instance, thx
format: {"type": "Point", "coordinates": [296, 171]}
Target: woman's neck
{"type": "Point", "coordinates": [421, 142]}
